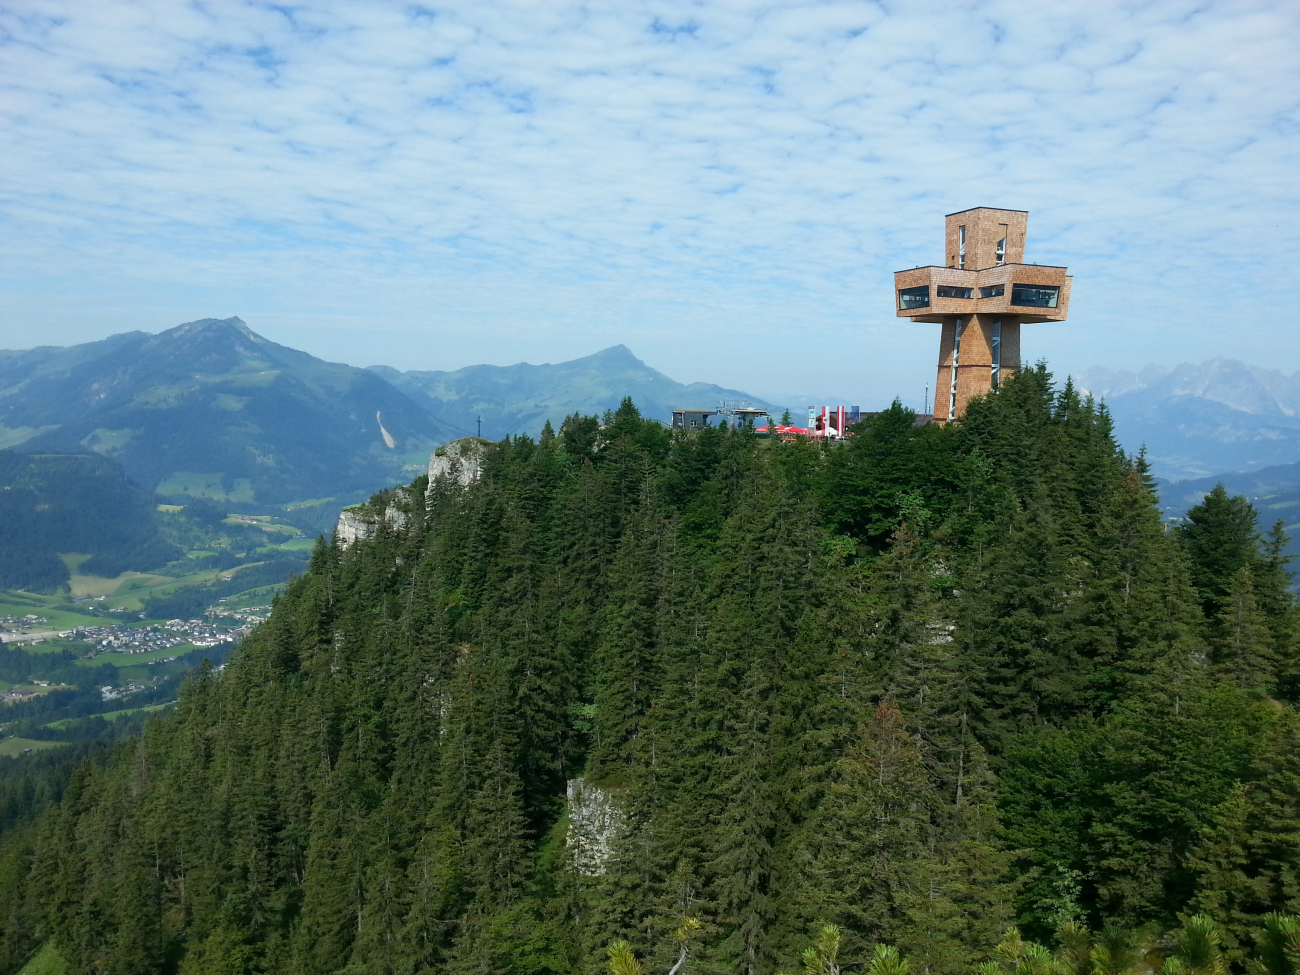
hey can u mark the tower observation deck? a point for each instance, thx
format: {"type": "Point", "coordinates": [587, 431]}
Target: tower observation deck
{"type": "Point", "coordinates": [981, 297]}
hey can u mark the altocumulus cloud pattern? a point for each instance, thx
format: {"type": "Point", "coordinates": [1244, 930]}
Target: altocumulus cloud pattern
{"type": "Point", "coordinates": [558, 176]}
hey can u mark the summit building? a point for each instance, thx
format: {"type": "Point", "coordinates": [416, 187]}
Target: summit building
{"type": "Point", "coordinates": [981, 296]}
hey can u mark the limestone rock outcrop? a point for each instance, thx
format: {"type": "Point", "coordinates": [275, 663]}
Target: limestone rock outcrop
{"type": "Point", "coordinates": [363, 520]}
{"type": "Point", "coordinates": [596, 823]}
{"type": "Point", "coordinates": [460, 461]}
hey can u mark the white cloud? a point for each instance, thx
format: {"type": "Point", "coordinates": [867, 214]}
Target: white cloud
{"type": "Point", "coordinates": [725, 187]}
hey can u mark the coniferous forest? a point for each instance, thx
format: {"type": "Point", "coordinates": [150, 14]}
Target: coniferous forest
{"type": "Point", "coordinates": [729, 704]}
{"type": "Point", "coordinates": [52, 503]}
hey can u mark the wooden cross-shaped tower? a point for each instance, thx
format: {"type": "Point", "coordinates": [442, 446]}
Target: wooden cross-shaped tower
{"type": "Point", "coordinates": [981, 297]}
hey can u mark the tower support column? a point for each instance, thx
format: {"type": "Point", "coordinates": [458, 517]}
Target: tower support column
{"type": "Point", "coordinates": [976, 353]}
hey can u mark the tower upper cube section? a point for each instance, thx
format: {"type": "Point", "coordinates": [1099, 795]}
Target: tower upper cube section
{"type": "Point", "coordinates": [983, 237]}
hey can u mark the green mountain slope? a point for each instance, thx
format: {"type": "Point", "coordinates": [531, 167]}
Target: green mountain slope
{"type": "Point", "coordinates": [521, 398]}
{"type": "Point", "coordinates": [59, 503]}
{"type": "Point", "coordinates": [211, 409]}
{"type": "Point", "coordinates": [921, 686]}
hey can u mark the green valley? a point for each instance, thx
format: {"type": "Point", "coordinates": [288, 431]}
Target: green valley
{"type": "Point", "coordinates": [75, 657]}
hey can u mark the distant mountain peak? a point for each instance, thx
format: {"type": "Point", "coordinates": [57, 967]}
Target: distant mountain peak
{"type": "Point", "coordinates": [215, 325]}
{"type": "Point", "coordinates": [210, 408]}
{"type": "Point", "coordinates": [615, 352]}
{"type": "Point", "coordinates": [1237, 385]}
{"type": "Point", "coordinates": [615, 357]}
{"type": "Point", "coordinates": [522, 397]}
{"type": "Point", "coordinates": [1197, 418]}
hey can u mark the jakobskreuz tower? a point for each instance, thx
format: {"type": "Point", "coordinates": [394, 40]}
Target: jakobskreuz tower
{"type": "Point", "coordinates": [981, 297]}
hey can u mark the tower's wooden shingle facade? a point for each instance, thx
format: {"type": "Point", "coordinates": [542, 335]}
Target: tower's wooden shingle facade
{"type": "Point", "coordinates": [981, 297]}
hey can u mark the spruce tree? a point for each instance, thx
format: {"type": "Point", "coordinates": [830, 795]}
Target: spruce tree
{"type": "Point", "coordinates": [1220, 537]}
{"type": "Point", "coordinates": [1244, 646]}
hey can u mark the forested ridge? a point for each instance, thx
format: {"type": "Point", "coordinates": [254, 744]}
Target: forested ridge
{"type": "Point", "coordinates": [718, 692]}
{"type": "Point", "coordinates": [54, 503]}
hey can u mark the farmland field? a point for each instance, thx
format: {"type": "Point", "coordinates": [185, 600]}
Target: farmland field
{"type": "Point", "coordinates": [16, 746]}
{"type": "Point", "coordinates": [121, 660]}
{"type": "Point", "coordinates": [47, 961]}
{"type": "Point", "coordinates": [111, 715]}
{"type": "Point", "coordinates": [57, 610]}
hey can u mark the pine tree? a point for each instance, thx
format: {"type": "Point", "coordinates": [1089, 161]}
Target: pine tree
{"type": "Point", "coordinates": [1278, 946]}
{"type": "Point", "coordinates": [626, 656]}
{"type": "Point", "coordinates": [1273, 581]}
{"type": "Point", "coordinates": [819, 685]}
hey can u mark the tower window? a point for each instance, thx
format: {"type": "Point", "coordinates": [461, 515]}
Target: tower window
{"type": "Point", "coordinates": [993, 291]}
{"type": "Point", "coordinates": [961, 246]}
{"type": "Point", "coordinates": [914, 297]}
{"type": "Point", "coordinates": [995, 344]}
{"type": "Point", "coordinates": [1035, 295]}
{"type": "Point", "coordinates": [1001, 254]}
{"type": "Point", "coordinates": [948, 291]}
{"type": "Point", "coordinates": [956, 362]}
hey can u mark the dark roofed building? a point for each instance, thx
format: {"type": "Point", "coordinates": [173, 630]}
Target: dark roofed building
{"type": "Point", "coordinates": [691, 419]}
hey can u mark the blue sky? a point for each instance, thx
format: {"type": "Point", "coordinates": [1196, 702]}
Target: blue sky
{"type": "Point", "coordinates": [724, 187]}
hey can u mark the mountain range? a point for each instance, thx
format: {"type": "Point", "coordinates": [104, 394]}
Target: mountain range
{"type": "Point", "coordinates": [53, 504]}
{"type": "Point", "coordinates": [212, 409]}
{"type": "Point", "coordinates": [1197, 420]}
{"type": "Point", "coordinates": [523, 397]}
{"type": "Point", "coordinates": [1274, 491]}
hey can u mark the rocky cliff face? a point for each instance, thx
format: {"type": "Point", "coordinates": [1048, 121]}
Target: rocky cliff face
{"type": "Point", "coordinates": [459, 461]}
{"type": "Point", "coordinates": [595, 825]}
{"type": "Point", "coordinates": [364, 520]}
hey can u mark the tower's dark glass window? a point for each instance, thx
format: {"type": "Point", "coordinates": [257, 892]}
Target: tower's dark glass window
{"type": "Point", "coordinates": [1035, 295]}
{"type": "Point", "coordinates": [914, 297]}
{"type": "Point", "coordinates": [993, 291]}
{"type": "Point", "coordinates": [995, 346]}
{"type": "Point", "coordinates": [949, 291]}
